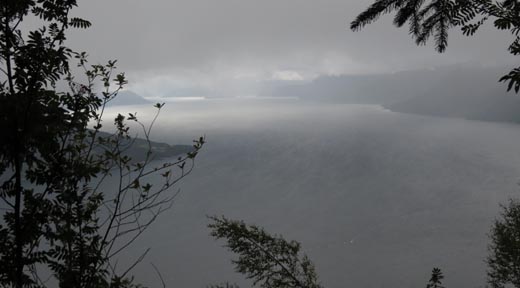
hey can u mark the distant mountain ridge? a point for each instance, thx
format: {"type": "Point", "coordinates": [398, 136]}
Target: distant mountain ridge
{"type": "Point", "coordinates": [128, 97]}
{"type": "Point", "coordinates": [454, 91]}
{"type": "Point", "coordinates": [477, 95]}
{"type": "Point", "coordinates": [358, 89]}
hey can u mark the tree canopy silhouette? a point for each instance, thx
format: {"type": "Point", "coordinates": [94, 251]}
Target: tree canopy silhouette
{"type": "Point", "coordinates": [57, 216]}
{"type": "Point", "coordinates": [434, 18]}
{"type": "Point", "coordinates": [503, 260]}
{"type": "Point", "coordinates": [270, 261]}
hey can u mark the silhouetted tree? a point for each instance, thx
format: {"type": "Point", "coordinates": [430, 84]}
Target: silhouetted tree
{"type": "Point", "coordinates": [427, 18]}
{"type": "Point", "coordinates": [435, 279]}
{"type": "Point", "coordinates": [504, 258]}
{"type": "Point", "coordinates": [270, 261]}
{"type": "Point", "coordinates": [53, 159]}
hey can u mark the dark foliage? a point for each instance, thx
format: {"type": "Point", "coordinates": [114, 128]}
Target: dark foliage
{"type": "Point", "coordinates": [434, 18]}
{"type": "Point", "coordinates": [53, 159]}
{"type": "Point", "coordinates": [269, 261]}
{"type": "Point", "coordinates": [504, 259]}
{"type": "Point", "coordinates": [435, 280]}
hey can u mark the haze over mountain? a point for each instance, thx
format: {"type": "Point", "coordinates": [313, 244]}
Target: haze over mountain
{"type": "Point", "coordinates": [453, 91]}
{"type": "Point", "coordinates": [127, 97]}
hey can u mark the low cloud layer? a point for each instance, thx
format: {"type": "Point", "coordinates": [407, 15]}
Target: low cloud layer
{"type": "Point", "coordinates": [218, 42]}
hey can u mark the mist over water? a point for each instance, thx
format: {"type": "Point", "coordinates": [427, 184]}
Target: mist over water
{"type": "Point", "coordinates": [376, 198]}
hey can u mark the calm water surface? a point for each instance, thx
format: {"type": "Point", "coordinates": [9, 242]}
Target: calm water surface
{"type": "Point", "coordinates": [376, 198]}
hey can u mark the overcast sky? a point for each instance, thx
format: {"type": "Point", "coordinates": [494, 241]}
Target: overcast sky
{"type": "Point", "coordinates": [175, 44]}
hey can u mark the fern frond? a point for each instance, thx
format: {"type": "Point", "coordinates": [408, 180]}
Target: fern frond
{"type": "Point", "coordinates": [79, 23]}
{"type": "Point", "coordinates": [373, 12]}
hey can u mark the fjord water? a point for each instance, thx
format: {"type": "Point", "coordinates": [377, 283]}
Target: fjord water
{"type": "Point", "coordinates": [376, 198]}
